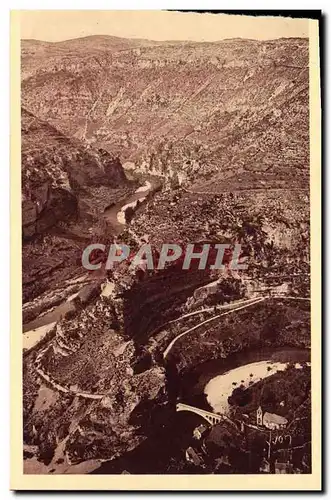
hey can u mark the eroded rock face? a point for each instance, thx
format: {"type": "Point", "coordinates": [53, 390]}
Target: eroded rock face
{"type": "Point", "coordinates": [65, 187]}
{"type": "Point", "coordinates": [201, 109]}
{"type": "Point", "coordinates": [39, 215]}
{"type": "Point", "coordinates": [225, 145]}
{"type": "Point", "coordinates": [117, 424]}
{"type": "Point", "coordinates": [55, 170]}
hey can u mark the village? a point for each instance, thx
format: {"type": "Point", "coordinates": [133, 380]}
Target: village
{"type": "Point", "coordinates": [166, 256]}
{"type": "Point", "coordinates": [269, 438]}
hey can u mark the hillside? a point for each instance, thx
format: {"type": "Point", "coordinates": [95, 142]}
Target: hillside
{"type": "Point", "coordinates": [201, 108]}
{"type": "Point", "coordinates": [55, 170]}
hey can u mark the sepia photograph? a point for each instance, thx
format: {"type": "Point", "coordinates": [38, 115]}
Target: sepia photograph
{"type": "Point", "coordinates": [167, 219]}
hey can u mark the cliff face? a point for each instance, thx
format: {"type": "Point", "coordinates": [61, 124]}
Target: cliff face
{"type": "Point", "coordinates": [65, 187]}
{"type": "Point", "coordinates": [201, 109]}
{"type": "Point", "coordinates": [55, 170]}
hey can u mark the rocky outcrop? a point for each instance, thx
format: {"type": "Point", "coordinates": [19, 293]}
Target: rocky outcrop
{"type": "Point", "coordinates": [65, 188]}
{"type": "Point", "coordinates": [91, 371]}
{"type": "Point", "coordinates": [40, 213]}
{"type": "Point", "coordinates": [56, 171]}
{"type": "Point", "coordinates": [227, 125]}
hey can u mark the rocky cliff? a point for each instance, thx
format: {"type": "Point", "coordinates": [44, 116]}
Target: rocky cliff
{"type": "Point", "coordinates": [228, 123]}
{"type": "Point", "coordinates": [55, 171]}
{"type": "Point", "coordinates": [65, 187]}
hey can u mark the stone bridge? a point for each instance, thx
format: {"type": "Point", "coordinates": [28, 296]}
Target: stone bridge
{"type": "Point", "coordinates": [212, 418]}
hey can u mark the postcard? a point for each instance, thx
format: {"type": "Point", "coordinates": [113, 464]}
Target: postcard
{"type": "Point", "coordinates": [166, 251]}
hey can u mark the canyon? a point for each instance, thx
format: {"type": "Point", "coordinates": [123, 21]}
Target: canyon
{"type": "Point", "coordinates": [133, 141]}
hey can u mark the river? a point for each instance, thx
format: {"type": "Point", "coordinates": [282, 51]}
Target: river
{"type": "Point", "coordinates": [168, 442]}
{"type": "Point", "coordinates": [212, 382]}
{"type": "Point", "coordinates": [207, 385]}
{"type": "Point", "coordinates": [220, 388]}
{"type": "Point", "coordinates": [116, 213]}
{"type": "Point", "coordinates": [35, 330]}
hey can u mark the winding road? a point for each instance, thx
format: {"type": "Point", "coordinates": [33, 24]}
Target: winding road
{"type": "Point", "coordinates": [172, 343]}
{"type": "Point", "coordinates": [249, 302]}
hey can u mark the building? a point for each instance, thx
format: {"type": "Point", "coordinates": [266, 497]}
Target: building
{"type": "Point", "coordinates": [265, 466]}
{"type": "Point", "coordinates": [270, 420]}
{"type": "Point", "coordinates": [192, 456]}
{"type": "Point", "coordinates": [283, 468]}
{"type": "Point", "coordinates": [200, 431]}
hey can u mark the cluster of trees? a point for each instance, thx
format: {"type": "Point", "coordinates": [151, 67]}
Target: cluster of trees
{"type": "Point", "coordinates": [282, 393]}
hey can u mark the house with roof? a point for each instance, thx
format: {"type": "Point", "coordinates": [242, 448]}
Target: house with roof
{"type": "Point", "coordinates": [271, 421]}
{"type": "Point", "coordinates": [200, 431]}
{"type": "Point", "coordinates": [192, 456]}
{"type": "Point", "coordinates": [283, 467]}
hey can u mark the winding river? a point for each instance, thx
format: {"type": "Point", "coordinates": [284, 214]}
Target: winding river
{"type": "Point", "coordinates": [219, 388]}
{"type": "Point", "coordinates": [116, 213]}
{"type": "Point", "coordinates": [207, 386]}
{"type": "Point", "coordinates": [35, 330]}
{"type": "Point", "coordinates": [213, 382]}
{"type": "Point", "coordinates": [171, 440]}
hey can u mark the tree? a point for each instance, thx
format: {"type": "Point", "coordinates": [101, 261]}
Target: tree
{"type": "Point", "coordinates": [129, 213]}
{"type": "Point", "coordinates": [240, 397]}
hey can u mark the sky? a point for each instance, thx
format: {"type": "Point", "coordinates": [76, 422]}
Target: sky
{"type": "Point", "coordinates": [57, 25]}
